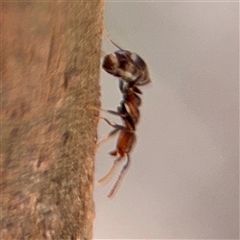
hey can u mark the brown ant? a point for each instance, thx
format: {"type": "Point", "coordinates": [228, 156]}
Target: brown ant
{"type": "Point", "coordinates": [132, 72]}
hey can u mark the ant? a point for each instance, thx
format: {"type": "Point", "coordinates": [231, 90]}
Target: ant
{"type": "Point", "coordinates": [132, 72]}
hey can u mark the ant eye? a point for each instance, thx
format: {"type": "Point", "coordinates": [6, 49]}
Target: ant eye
{"type": "Point", "coordinates": [110, 64]}
{"type": "Point", "coordinates": [122, 59]}
{"type": "Point", "coordinates": [107, 63]}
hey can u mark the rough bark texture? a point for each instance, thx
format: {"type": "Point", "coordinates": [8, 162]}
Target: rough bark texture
{"type": "Point", "coordinates": [50, 74]}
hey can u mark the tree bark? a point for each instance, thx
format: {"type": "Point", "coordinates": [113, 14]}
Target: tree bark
{"type": "Point", "coordinates": [50, 74]}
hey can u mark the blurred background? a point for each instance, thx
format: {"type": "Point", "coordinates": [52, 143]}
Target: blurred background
{"type": "Point", "coordinates": [183, 180]}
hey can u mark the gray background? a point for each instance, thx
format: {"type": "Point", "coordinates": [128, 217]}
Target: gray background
{"type": "Point", "coordinates": [183, 181]}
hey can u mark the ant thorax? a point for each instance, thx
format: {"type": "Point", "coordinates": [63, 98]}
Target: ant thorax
{"type": "Point", "coordinates": [128, 66]}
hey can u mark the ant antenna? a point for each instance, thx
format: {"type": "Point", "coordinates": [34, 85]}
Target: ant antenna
{"type": "Point", "coordinates": [103, 54]}
{"type": "Point", "coordinates": [110, 39]}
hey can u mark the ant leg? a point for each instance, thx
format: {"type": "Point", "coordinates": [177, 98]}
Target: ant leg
{"type": "Point", "coordinates": [117, 126]}
{"type": "Point", "coordinates": [124, 115]}
{"type": "Point", "coordinates": [120, 84]}
{"type": "Point", "coordinates": [120, 177]}
{"type": "Point", "coordinates": [104, 110]}
{"type": "Point", "coordinates": [111, 172]}
{"type": "Point", "coordinates": [112, 133]}
{"type": "Point", "coordinates": [114, 112]}
{"type": "Point", "coordinates": [106, 138]}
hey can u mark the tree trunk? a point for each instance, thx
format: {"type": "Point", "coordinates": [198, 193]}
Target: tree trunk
{"type": "Point", "coordinates": [50, 74]}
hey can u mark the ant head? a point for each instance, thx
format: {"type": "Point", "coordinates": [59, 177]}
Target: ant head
{"type": "Point", "coordinates": [122, 64]}
{"type": "Point", "coordinates": [110, 64]}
